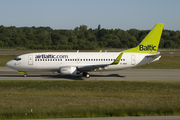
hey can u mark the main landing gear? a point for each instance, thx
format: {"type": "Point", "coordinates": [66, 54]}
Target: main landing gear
{"type": "Point", "coordinates": [86, 74]}
{"type": "Point", "coordinates": [25, 75]}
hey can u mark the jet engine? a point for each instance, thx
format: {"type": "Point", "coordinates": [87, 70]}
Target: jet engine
{"type": "Point", "coordinates": [68, 71]}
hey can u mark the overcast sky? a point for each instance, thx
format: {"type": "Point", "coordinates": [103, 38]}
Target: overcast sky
{"type": "Point", "coordinates": [110, 14]}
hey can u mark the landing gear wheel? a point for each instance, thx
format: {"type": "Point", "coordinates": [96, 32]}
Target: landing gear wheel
{"type": "Point", "coordinates": [87, 75]}
{"type": "Point", "coordinates": [25, 75]}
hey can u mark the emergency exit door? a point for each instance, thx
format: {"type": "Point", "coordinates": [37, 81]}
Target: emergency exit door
{"type": "Point", "coordinates": [30, 60]}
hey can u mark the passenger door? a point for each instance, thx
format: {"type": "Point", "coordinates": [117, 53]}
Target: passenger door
{"type": "Point", "coordinates": [30, 60]}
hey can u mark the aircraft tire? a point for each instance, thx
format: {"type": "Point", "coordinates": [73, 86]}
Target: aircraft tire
{"type": "Point", "coordinates": [87, 75]}
{"type": "Point", "coordinates": [25, 75]}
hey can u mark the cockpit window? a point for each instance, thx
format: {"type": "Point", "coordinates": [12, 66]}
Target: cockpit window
{"type": "Point", "coordinates": [17, 58]}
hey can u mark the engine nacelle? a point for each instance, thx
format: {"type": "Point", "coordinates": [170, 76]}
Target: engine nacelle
{"type": "Point", "coordinates": [68, 71]}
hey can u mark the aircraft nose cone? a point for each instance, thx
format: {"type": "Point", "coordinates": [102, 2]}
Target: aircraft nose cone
{"type": "Point", "coordinates": [9, 64]}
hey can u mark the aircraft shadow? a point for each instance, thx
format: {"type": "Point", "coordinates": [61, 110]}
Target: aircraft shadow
{"type": "Point", "coordinates": [111, 75]}
{"type": "Point", "coordinates": [45, 76]}
{"type": "Point", "coordinates": [79, 77]}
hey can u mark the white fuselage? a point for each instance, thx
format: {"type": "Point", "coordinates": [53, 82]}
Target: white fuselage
{"type": "Point", "coordinates": [52, 61]}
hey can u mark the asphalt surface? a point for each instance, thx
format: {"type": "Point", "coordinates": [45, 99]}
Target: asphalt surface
{"type": "Point", "coordinates": [13, 53]}
{"type": "Point", "coordinates": [129, 74]}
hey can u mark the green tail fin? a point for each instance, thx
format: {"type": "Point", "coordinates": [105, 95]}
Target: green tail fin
{"type": "Point", "coordinates": [150, 43]}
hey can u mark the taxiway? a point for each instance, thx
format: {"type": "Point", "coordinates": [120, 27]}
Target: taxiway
{"type": "Point", "coordinates": [128, 74]}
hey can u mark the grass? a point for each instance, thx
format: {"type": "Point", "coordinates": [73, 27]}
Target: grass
{"type": "Point", "coordinates": [72, 99]}
{"type": "Point", "coordinates": [5, 58]}
{"type": "Point", "coordinates": [166, 62]}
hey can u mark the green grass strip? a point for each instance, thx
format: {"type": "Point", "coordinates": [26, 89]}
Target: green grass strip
{"type": "Point", "coordinates": [74, 99]}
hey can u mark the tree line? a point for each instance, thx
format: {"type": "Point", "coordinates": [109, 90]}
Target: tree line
{"type": "Point", "coordinates": [80, 38]}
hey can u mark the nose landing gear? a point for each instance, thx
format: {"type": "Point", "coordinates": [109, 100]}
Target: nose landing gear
{"type": "Point", "coordinates": [23, 72]}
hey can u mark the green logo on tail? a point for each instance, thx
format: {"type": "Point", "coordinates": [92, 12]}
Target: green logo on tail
{"type": "Point", "coordinates": [147, 48]}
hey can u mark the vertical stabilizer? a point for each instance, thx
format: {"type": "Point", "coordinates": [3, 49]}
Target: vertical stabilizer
{"type": "Point", "coordinates": [150, 43]}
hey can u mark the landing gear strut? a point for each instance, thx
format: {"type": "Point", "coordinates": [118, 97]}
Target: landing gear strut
{"type": "Point", "coordinates": [86, 74]}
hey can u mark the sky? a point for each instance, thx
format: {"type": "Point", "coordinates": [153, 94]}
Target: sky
{"type": "Point", "coordinates": [110, 14]}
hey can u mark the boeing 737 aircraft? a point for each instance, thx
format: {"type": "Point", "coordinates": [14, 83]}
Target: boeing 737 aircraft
{"type": "Point", "coordinates": [73, 63]}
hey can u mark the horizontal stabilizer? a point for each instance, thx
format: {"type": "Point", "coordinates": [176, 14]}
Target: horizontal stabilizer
{"type": "Point", "coordinates": [159, 54]}
{"type": "Point", "coordinates": [154, 55]}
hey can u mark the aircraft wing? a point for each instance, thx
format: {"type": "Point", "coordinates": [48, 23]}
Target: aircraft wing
{"type": "Point", "coordinates": [91, 67]}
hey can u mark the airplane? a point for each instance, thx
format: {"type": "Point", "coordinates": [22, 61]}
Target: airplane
{"type": "Point", "coordinates": [74, 63]}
